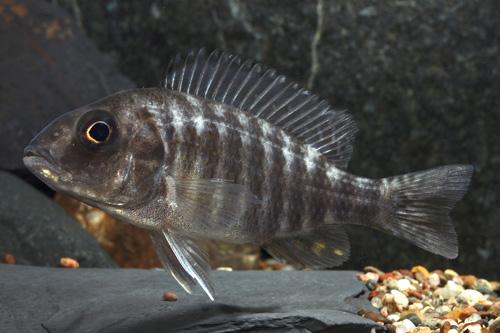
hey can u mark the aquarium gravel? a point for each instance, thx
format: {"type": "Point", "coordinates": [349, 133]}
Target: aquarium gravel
{"type": "Point", "coordinates": [416, 300]}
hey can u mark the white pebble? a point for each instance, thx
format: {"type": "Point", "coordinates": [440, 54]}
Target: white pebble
{"type": "Point", "coordinates": [372, 276]}
{"type": "Point", "coordinates": [400, 299]}
{"type": "Point", "coordinates": [470, 296]}
{"type": "Point", "coordinates": [450, 290]}
{"type": "Point", "coordinates": [434, 280]}
{"type": "Point", "coordinates": [394, 317]}
{"type": "Point", "coordinates": [472, 318]}
{"type": "Point", "coordinates": [403, 285]}
{"type": "Point", "coordinates": [476, 328]}
{"type": "Point", "coordinates": [404, 326]}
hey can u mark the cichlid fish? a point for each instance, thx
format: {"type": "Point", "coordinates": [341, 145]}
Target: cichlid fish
{"type": "Point", "coordinates": [229, 150]}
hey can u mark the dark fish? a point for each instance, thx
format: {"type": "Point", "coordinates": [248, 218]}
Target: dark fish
{"type": "Point", "coordinates": [230, 150]}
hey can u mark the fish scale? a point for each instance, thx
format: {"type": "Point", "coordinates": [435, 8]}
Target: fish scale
{"type": "Point", "coordinates": [229, 150]}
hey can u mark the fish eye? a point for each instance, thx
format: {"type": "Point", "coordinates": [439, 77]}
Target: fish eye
{"type": "Point", "coordinates": [98, 132]}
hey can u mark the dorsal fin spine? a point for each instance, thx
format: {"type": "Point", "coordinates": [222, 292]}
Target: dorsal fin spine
{"type": "Point", "coordinates": [266, 107]}
{"type": "Point", "coordinates": [280, 107]}
{"type": "Point", "coordinates": [264, 93]}
{"type": "Point", "coordinates": [245, 81]}
{"type": "Point", "coordinates": [292, 124]}
{"type": "Point", "coordinates": [179, 88]}
{"type": "Point", "coordinates": [292, 121]}
{"type": "Point", "coordinates": [322, 111]}
{"type": "Point", "coordinates": [193, 70]}
{"type": "Point", "coordinates": [216, 70]}
{"type": "Point", "coordinates": [202, 74]}
{"type": "Point", "coordinates": [295, 109]}
{"type": "Point", "coordinates": [268, 72]}
{"type": "Point", "coordinates": [233, 79]}
{"type": "Point", "coordinates": [317, 126]}
{"type": "Point", "coordinates": [224, 74]}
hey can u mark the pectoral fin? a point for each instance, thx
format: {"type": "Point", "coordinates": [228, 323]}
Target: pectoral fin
{"type": "Point", "coordinates": [216, 201]}
{"type": "Point", "coordinates": [184, 259]}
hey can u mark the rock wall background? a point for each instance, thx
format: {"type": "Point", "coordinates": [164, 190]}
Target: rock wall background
{"type": "Point", "coordinates": [422, 80]}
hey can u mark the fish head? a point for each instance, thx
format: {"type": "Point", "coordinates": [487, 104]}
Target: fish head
{"type": "Point", "coordinates": [108, 153]}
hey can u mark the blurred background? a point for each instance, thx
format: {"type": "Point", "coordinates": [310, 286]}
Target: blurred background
{"type": "Point", "coordinates": [422, 79]}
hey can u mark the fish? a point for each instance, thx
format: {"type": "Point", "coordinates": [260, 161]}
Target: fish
{"type": "Point", "coordinates": [228, 149]}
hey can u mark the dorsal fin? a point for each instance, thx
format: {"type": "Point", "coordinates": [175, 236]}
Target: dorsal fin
{"type": "Point", "coordinates": [252, 88]}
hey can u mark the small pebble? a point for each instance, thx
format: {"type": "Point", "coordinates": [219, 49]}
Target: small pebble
{"type": "Point", "coordinates": [9, 259]}
{"type": "Point", "coordinates": [373, 270]}
{"type": "Point", "coordinates": [170, 296]}
{"type": "Point", "coordinates": [495, 325]}
{"type": "Point", "coordinates": [413, 317]}
{"type": "Point", "coordinates": [422, 270]}
{"type": "Point", "coordinates": [432, 323]}
{"type": "Point", "coordinates": [394, 317]}
{"type": "Point", "coordinates": [470, 296]}
{"type": "Point", "coordinates": [450, 274]}
{"type": "Point", "coordinates": [400, 299]}
{"type": "Point", "coordinates": [476, 328]}
{"type": "Point", "coordinates": [403, 285]}
{"type": "Point", "coordinates": [404, 326]}
{"type": "Point", "coordinates": [66, 262]}
{"type": "Point", "coordinates": [377, 302]}
{"type": "Point", "coordinates": [472, 318]}
{"type": "Point", "coordinates": [483, 286]}
{"type": "Point", "coordinates": [450, 290]}
{"type": "Point", "coordinates": [434, 280]}
{"type": "Point", "coordinates": [372, 276]}
{"type": "Point", "coordinates": [469, 281]}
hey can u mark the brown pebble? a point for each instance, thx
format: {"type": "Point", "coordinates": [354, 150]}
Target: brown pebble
{"type": "Point", "coordinates": [66, 262]}
{"type": "Point", "coordinates": [467, 312]}
{"type": "Point", "coordinates": [9, 259]}
{"type": "Point", "coordinates": [390, 328]}
{"type": "Point", "coordinates": [169, 296]}
{"type": "Point", "coordinates": [495, 326]}
{"type": "Point", "coordinates": [406, 272]}
{"type": "Point", "coordinates": [415, 293]}
{"type": "Point", "coordinates": [374, 316]}
{"type": "Point", "coordinates": [469, 280]}
{"type": "Point", "coordinates": [445, 327]}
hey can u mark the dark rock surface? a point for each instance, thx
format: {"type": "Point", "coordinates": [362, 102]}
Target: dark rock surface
{"type": "Point", "coordinates": [37, 231]}
{"type": "Point", "coordinates": [421, 78]}
{"type": "Point", "coordinates": [101, 300]}
{"type": "Point", "coordinates": [48, 66]}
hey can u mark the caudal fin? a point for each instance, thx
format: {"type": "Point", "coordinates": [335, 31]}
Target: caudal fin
{"type": "Point", "coordinates": [420, 204]}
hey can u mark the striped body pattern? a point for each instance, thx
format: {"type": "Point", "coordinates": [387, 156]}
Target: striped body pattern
{"type": "Point", "coordinates": [298, 188]}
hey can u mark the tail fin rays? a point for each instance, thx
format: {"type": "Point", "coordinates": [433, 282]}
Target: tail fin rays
{"type": "Point", "coordinates": [420, 204]}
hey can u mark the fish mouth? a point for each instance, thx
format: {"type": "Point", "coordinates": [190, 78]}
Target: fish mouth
{"type": "Point", "coordinates": [41, 163]}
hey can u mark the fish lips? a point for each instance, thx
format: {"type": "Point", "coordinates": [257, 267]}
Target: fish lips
{"type": "Point", "coordinates": [43, 165]}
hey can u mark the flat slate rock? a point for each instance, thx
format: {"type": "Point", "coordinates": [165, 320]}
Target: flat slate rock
{"type": "Point", "coordinates": [36, 299]}
{"type": "Point", "coordinates": [37, 231]}
{"type": "Point", "coordinates": [48, 67]}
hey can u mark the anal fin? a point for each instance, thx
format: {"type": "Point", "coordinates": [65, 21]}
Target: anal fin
{"type": "Point", "coordinates": [327, 246]}
{"type": "Point", "coordinates": [186, 261]}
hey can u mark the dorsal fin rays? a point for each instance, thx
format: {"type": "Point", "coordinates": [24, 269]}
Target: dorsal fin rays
{"type": "Point", "coordinates": [261, 92]}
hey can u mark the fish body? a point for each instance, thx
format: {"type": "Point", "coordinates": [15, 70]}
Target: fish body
{"type": "Point", "coordinates": [228, 150]}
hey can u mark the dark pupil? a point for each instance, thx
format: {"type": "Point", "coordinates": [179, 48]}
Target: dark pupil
{"type": "Point", "coordinates": [99, 131]}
